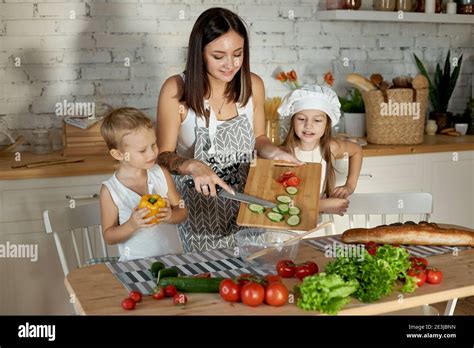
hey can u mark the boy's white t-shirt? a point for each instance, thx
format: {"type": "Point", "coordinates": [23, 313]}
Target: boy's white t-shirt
{"type": "Point", "coordinates": [157, 240]}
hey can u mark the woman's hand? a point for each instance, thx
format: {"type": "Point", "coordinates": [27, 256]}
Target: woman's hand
{"type": "Point", "coordinates": [165, 213]}
{"type": "Point", "coordinates": [137, 219]}
{"type": "Point", "coordinates": [281, 155]}
{"type": "Point", "coordinates": [342, 191]}
{"type": "Point", "coordinates": [205, 180]}
{"type": "Point", "coordinates": [334, 206]}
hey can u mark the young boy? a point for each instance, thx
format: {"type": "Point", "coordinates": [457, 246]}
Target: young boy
{"type": "Point", "coordinates": [131, 139]}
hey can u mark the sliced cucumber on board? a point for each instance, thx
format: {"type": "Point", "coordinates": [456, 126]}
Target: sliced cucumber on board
{"type": "Point", "coordinates": [284, 199]}
{"type": "Point", "coordinates": [257, 208]}
{"type": "Point", "coordinates": [294, 211]}
{"type": "Point", "coordinates": [292, 190]}
{"type": "Point", "coordinates": [275, 217]}
{"type": "Point", "coordinates": [293, 220]}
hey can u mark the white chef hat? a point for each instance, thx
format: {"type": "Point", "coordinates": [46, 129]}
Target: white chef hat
{"type": "Point", "coordinates": [307, 97]}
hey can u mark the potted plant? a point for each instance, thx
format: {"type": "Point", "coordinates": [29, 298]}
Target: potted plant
{"type": "Point", "coordinates": [354, 113]}
{"type": "Point", "coordinates": [441, 90]}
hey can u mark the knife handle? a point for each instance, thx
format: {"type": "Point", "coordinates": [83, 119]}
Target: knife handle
{"type": "Point", "coordinates": [190, 184]}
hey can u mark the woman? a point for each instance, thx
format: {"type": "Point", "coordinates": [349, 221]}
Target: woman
{"type": "Point", "coordinates": [210, 120]}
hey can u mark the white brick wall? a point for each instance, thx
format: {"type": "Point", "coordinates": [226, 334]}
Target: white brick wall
{"type": "Point", "coordinates": [80, 55]}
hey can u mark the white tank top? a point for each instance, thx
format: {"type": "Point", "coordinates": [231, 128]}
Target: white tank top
{"type": "Point", "coordinates": [187, 131]}
{"type": "Point", "coordinates": [314, 156]}
{"type": "Point", "coordinates": [157, 240]}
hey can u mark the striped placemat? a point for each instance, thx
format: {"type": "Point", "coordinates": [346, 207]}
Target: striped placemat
{"type": "Point", "coordinates": [136, 275]}
{"type": "Point", "coordinates": [331, 242]}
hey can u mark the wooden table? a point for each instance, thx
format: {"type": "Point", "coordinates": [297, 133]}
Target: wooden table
{"type": "Point", "coordinates": [97, 292]}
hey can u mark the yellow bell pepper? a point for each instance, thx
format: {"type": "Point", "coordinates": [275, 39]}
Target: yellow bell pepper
{"type": "Point", "coordinates": [154, 203]}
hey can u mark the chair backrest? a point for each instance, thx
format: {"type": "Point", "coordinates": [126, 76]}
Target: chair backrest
{"type": "Point", "coordinates": [384, 204]}
{"type": "Point", "coordinates": [62, 221]}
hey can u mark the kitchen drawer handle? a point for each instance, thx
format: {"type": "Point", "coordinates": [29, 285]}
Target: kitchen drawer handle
{"type": "Point", "coordinates": [94, 195]}
{"type": "Point", "coordinates": [366, 175]}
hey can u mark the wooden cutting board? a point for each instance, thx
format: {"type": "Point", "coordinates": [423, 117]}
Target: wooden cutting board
{"type": "Point", "coordinates": [262, 183]}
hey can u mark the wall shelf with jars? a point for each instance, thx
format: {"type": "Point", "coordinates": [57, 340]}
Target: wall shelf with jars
{"type": "Point", "coordinates": [415, 11]}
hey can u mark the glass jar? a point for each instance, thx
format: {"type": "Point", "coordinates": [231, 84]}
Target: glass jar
{"type": "Point", "coordinates": [466, 6]}
{"type": "Point", "coordinates": [405, 5]}
{"type": "Point", "coordinates": [334, 4]}
{"type": "Point", "coordinates": [41, 143]}
{"type": "Point", "coordinates": [351, 4]}
{"type": "Point", "coordinates": [385, 5]}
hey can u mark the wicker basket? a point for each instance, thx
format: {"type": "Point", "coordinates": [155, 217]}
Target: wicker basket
{"type": "Point", "coordinates": [387, 125]}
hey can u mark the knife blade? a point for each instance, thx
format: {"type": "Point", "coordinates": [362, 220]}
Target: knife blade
{"type": "Point", "coordinates": [241, 197]}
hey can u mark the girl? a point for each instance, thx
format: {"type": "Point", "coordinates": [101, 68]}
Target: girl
{"type": "Point", "coordinates": [314, 110]}
{"type": "Point", "coordinates": [214, 110]}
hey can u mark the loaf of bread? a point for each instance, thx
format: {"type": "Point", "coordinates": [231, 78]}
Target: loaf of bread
{"type": "Point", "coordinates": [410, 233]}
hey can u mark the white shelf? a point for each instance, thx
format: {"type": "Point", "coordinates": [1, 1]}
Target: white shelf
{"type": "Point", "coordinates": [382, 16]}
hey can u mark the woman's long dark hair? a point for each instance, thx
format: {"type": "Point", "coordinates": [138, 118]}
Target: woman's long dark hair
{"type": "Point", "coordinates": [211, 24]}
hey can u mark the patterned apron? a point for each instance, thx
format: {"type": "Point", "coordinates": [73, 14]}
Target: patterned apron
{"type": "Point", "coordinates": [227, 148]}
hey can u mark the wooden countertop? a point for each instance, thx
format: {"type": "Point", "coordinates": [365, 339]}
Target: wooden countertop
{"type": "Point", "coordinates": [98, 292]}
{"type": "Point", "coordinates": [91, 165]}
{"type": "Point", "coordinates": [105, 164]}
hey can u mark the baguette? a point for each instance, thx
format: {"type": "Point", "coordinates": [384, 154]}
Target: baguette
{"type": "Point", "coordinates": [360, 82]}
{"type": "Point", "coordinates": [423, 233]}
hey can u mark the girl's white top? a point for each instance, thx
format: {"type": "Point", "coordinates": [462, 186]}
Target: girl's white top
{"type": "Point", "coordinates": [157, 240]}
{"type": "Point", "coordinates": [314, 156]}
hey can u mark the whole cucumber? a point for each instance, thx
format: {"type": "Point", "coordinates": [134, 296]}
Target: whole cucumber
{"type": "Point", "coordinates": [191, 284]}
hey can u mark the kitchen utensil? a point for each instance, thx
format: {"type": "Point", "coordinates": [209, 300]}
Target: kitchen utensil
{"type": "Point", "coordinates": [41, 143]}
{"type": "Point", "coordinates": [261, 182]}
{"type": "Point", "coordinates": [238, 196]}
{"type": "Point", "coordinates": [10, 147]}
{"type": "Point", "coordinates": [461, 128]}
{"type": "Point", "coordinates": [384, 5]}
{"type": "Point", "coordinates": [351, 4]}
{"type": "Point", "coordinates": [287, 242]}
{"type": "Point", "coordinates": [405, 5]}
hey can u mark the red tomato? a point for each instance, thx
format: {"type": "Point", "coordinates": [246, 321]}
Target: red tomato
{"type": "Point", "coordinates": [180, 299]}
{"type": "Point", "coordinates": [312, 266]}
{"type": "Point", "coordinates": [159, 293]}
{"type": "Point", "coordinates": [245, 278]}
{"type": "Point", "coordinates": [286, 268]}
{"type": "Point", "coordinates": [229, 290]}
{"type": "Point", "coordinates": [371, 248]}
{"type": "Point", "coordinates": [293, 181]}
{"type": "Point", "coordinates": [170, 291]}
{"type": "Point", "coordinates": [135, 295]}
{"type": "Point", "coordinates": [276, 294]}
{"type": "Point", "coordinates": [252, 294]}
{"type": "Point", "coordinates": [128, 304]}
{"type": "Point", "coordinates": [419, 275]}
{"type": "Point", "coordinates": [434, 276]}
{"type": "Point", "coordinates": [302, 271]}
{"type": "Point", "coordinates": [418, 262]}
{"type": "Point", "coordinates": [285, 176]}
{"type": "Point", "coordinates": [271, 278]}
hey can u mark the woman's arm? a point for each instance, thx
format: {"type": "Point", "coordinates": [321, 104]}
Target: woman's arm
{"type": "Point", "coordinates": [263, 145]}
{"type": "Point", "coordinates": [168, 120]}
{"type": "Point", "coordinates": [353, 153]}
{"type": "Point", "coordinates": [178, 212]}
{"type": "Point", "coordinates": [113, 232]}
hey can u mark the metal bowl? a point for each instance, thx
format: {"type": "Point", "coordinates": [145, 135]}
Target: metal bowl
{"type": "Point", "coordinates": [252, 240]}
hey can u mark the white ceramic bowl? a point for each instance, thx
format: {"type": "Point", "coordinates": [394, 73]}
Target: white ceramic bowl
{"type": "Point", "coordinates": [461, 128]}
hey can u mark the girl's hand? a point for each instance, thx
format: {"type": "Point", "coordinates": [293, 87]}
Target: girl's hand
{"type": "Point", "coordinates": [335, 206]}
{"type": "Point", "coordinates": [342, 192]}
{"type": "Point", "coordinates": [164, 214]}
{"type": "Point", "coordinates": [281, 155]}
{"type": "Point", "coordinates": [205, 180]}
{"type": "Point", "coordinates": [137, 219]}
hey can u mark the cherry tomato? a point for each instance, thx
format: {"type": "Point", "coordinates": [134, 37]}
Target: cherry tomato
{"type": "Point", "coordinates": [230, 290]}
{"type": "Point", "coordinates": [159, 293]}
{"type": "Point", "coordinates": [418, 263]}
{"type": "Point", "coordinates": [276, 294]}
{"type": "Point", "coordinates": [286, 268]}
{"type": "Point", "coordinates": [180, 299]}
{"type": "Point", "coordinates": [252, 294]}
{"type": "Point", "coordinates": [285, 176]}
{"type": "Point", "coordinates": [419, 275]}
{"type": "Point", "coordinates": [293, 181]}
{"type": "Point", "coordinates": [434, 276]}
{"type": "Point", "coordinates": [312, 266]}
{"type": "Point", "coordinates": [170, 290]}
{"type": "Point", "coordinates": [271, 278]}
{"type": "Point", "coordinates": [128, 304]}
{"type": "Point", "coordinates": [135, 295]}
{"type": "Point", "coordinates": [302, 271]}
{"type": "Point", "coordinates": [245, 278]}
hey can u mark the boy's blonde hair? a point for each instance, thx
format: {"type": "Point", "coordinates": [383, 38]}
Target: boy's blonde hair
{"type": "Point", "coordinates": [121, 122]}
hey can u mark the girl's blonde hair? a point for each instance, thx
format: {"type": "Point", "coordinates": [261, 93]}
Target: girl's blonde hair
{"type": "Point", "coordinates": [292, 141]}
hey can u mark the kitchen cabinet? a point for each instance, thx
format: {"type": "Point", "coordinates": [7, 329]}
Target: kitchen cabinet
{"type": "Point", "coordinates": [448, 176]}
{"type": "Point", "coordinates": [37, 286]}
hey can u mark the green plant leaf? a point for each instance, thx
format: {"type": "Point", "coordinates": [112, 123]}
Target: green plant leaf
{"type": "Point", "coordinates": [432, 90]}
{"type": "Point", "coordinates": [453, 79]}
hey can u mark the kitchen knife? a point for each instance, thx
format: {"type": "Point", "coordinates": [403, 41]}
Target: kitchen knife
{"type": "Point", "coordinates": [241, 197]}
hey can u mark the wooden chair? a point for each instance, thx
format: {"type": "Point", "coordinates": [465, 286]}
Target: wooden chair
{"type": "Point", "coordinates": [86, 218]}
{"type": "Point", "coordinates": [387, 206]}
